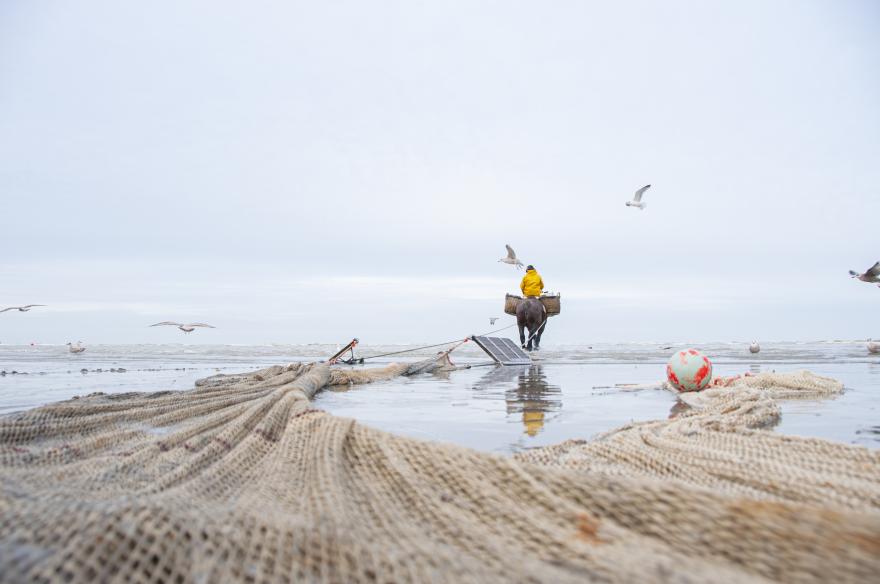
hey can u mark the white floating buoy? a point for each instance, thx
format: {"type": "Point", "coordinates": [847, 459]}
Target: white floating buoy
{"type": "Point", "coordinates": [874, 348]}
{"type": "Point", "coordinates": [754, 347]}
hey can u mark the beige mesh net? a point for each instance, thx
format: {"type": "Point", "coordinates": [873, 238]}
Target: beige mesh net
{"type": "Point", "coordinates": [241, 479]}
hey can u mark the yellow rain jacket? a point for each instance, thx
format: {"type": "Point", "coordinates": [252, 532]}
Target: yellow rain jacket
{"type": "Point", "coordinates": [532, 284]}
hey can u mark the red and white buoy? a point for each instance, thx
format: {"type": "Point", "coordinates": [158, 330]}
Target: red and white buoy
{"type": "Point", "coordinates": [689, 370]}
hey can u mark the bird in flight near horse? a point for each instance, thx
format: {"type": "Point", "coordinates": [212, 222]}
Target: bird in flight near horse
{"type": "Point", "coordinates": [511, 258]}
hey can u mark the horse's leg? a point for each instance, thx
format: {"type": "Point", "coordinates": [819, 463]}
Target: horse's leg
{"type": "Point", "coordinates": [538, 336]}
{"type": "Point", "coordinates": [531, 338]}
{"type": "Point", "coordinates": [522, 336]}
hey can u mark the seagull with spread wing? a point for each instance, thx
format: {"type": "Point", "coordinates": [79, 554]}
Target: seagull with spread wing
{"type": "Point", "coordinates": [871, 275]}
{"type": "Point", "coordinates": [511, 258]}
{"type": "Point", "coordinates": [24, 308]}
{"type": "Point", "coordinates": [637, 199]}
{"type": "Point", "coordinates": [187, 328]}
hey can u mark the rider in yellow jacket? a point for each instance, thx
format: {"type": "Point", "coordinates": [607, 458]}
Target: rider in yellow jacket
{"type": "Point", "coordinates": [532, 284]}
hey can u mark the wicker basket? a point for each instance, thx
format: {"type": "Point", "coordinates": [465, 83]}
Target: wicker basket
{"type": "Point", "coordinates": [510, 304]}
{"type": "Point", "coordinates": [552, 304]}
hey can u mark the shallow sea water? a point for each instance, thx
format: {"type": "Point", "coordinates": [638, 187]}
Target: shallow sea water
{"type": "Point", "coordinates": [569, 392]}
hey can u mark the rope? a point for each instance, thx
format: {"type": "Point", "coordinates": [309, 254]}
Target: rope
{"type": "Point", "coordinates": [433, 346]}
{"type": "Point", "coordinates": [496, 330]}
{"type": "Point", "coordinates": [455, 346]}
{"type": "Point", "coordinates": [537, 331]}
{"type": "Point", "coordinates": [411, 350]}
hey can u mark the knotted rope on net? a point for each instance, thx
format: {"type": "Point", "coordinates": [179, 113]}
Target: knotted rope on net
{"type": "Point", "coordinates": [242, 479]}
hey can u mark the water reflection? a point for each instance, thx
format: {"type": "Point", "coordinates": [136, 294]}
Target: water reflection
{"type": "Point", "coordinates": [869, 433]}
{"type": "Point", "coordinates": [533, 398]}
{"type": "Point", "coordinates": [678, 408]}
{"type": "Point", "coordinates": [498, 376]}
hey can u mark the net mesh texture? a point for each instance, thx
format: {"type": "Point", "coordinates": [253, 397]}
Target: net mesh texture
{"type": "Point", "coordinates": [242, 480]}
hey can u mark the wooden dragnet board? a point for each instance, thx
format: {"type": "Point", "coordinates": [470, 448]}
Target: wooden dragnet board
{"type": "Point", "coordinates": [503, 351]}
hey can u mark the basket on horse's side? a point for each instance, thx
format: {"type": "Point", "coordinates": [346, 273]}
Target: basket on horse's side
{"type": "Point", "coordinates": [510, 304]}
{"type": "Point", "coordinates": [551, 302]}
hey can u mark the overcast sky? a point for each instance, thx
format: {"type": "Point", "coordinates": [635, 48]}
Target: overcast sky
{"type": "Point", "coordinates": [312, 171]}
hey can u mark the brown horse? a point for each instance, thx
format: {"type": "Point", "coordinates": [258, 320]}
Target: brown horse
{"type": "Point", "coordinates": [531, 315]}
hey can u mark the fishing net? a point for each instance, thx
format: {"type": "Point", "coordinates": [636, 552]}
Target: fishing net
{"type": "Point", "coordinates": [242, 479]}
{"type": "Point", "coordinates": [722, 443]}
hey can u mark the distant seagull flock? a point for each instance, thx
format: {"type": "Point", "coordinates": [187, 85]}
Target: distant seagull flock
{"type": "Point", "coordinates": [871, 275]}
{"type": "Point", "coordinates": [637, 199]}
{"type": "Point", "coordinates": [24, 308]}
{"type": "Point", "coordinates": [187, 328]}
{"type": "Point", "coordinates": [511, 258]}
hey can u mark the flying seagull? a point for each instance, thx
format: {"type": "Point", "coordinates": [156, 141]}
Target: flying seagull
{"type": "Point", "coordinates": [187, 328]}
{"type": "Point", "coordinates": [511, 257]}
{"type": "Point", "coordinates": [637, 199]}
{"type": "Point", "coordinates": [872, 275]}
{"type": "Point", "coordinates": [24, 308]}
{"type": "Point", "coordinates": [492, 320]}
